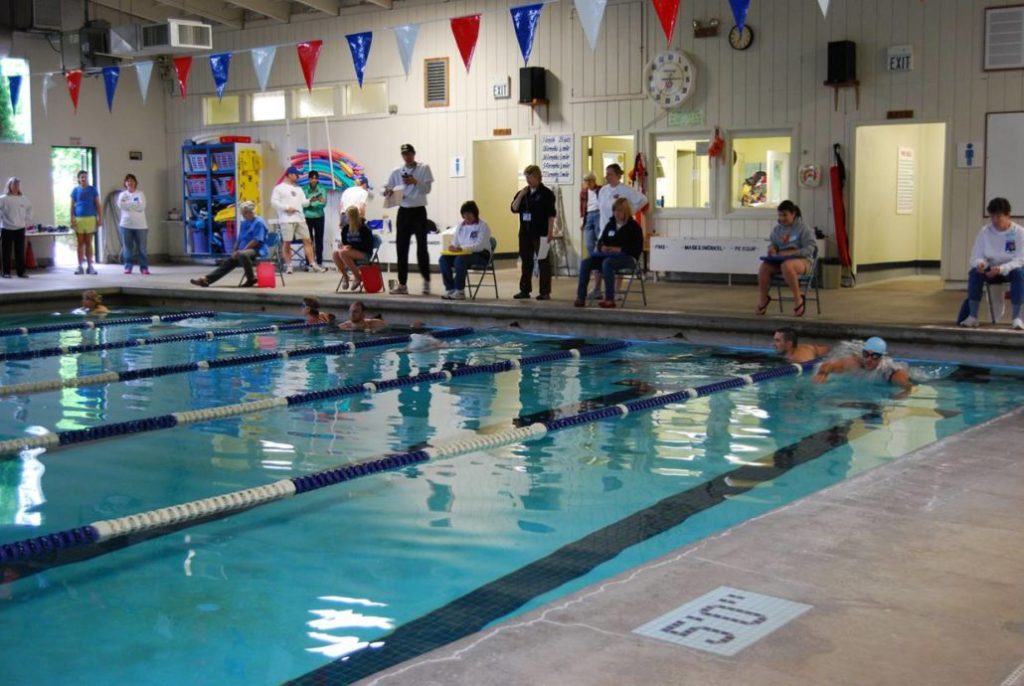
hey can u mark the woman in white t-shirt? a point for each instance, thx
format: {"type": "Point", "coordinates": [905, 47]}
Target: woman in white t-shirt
{"type": "Point", "coordinates": [134, 229]}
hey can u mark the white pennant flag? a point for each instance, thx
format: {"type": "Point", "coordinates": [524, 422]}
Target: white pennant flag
{"type": "Point", "coordinates": [823, 4]}
{"type": "Point", "coordinates": [591, 14]}
{"type": "Point", "coordinates": [406, 37]}
{"type": "Point", "coordinates": [47, 82]}
{"type": "Point", "coordinates": [143, 70]}
{"type": "Point", "coordinates": [262, 61]}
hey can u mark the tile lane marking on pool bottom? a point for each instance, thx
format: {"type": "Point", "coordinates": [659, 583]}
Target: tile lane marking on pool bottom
{"type": "Point", "coordinates": [489, 603]}
{"type": "Point", "coordinates": [724, 621]}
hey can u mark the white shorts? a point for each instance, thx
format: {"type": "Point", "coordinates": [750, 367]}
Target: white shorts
{"type": "Point", "coordinates": [294, 231]}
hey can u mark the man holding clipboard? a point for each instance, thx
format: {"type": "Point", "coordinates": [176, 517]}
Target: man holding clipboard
{"type": "Point", "coordinates": [408, 187]}
{"type": "Point", "coordinates": [535, 205]}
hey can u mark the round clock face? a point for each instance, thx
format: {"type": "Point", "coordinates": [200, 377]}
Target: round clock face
{"type": "Point", "coordinates": [741, 40]}
{"type": "Point", "coordinates": [671, 78]}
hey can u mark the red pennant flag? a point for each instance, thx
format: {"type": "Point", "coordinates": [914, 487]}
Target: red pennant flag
{"type": "Point", "coordinates": [74, 79]}
{"type": "Point", "coordinates": [668, 12]}
{"type": "Point", "coordinates": [466, 30]}
{"type": "Point", "coordinates": [182, 65]}
{"type": "Point", "coordinates": [309, 53]}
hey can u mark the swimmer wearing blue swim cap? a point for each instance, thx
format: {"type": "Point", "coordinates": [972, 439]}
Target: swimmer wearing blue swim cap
{"type": "Point", "coordinates": [873, 361]}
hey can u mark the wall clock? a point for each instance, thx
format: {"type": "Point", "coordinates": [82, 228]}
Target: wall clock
{"type": "Point", "coordinates": [671, 78]}
{"type": "Point", "coordinates": [741, 40]}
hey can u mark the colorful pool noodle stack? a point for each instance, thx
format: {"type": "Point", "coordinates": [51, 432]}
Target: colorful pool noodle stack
{"type": "Point", "coordinates": [337, 171]}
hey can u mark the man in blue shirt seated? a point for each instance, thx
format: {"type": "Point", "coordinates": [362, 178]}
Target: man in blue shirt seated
{"type": "Point", "coordinates": [252, 236]}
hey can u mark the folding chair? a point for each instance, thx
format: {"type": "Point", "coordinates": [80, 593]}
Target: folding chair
{"type": "Point", "coordinates": [273, 244]}
{"type": "Point", "coordinates": [299, 259]}
{"type": "Point", "coordinates": [996, 314]}
{"type": "Point", "coordinates": [374, 259]}
{"type": "Point", "coordinates": [489, 267]}
{"type": "Point", "coordinates": [635, 273]}
{"type": "Point", "coordinates": [808, 281]}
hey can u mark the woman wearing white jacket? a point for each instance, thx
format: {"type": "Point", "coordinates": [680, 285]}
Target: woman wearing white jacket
{"type": "Point", "coordinates": [134, 229]}
{"type": "Point", "coordinates": [15, 215]}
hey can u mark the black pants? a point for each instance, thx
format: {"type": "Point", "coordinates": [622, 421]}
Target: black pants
{"type": "Point", "coordinates": [244, 260]}
{"type": "Point", "coordinates": [528, 249]}
{"type": "Point", "coordinates": [13, 240]}
{"type": "Point", "coordinates": [412, 221]}
{"type": "Point", "coordinates": [316, 229]}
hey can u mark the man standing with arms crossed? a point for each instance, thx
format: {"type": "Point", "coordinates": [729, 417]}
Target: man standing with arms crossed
{"type": "Point", "coordinates": [415, 181]}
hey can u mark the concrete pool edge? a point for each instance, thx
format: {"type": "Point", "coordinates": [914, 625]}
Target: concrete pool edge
{"type": "Point", "coordinates": [909, 567]}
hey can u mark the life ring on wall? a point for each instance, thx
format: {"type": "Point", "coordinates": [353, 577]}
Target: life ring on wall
{"type": "Point", "coordinates": [810, 175]}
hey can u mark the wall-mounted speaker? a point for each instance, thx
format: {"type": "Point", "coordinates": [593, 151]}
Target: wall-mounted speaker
{"type": "Point", "coordinates": [533, 84]}
{"type": "Point", "coordinates": [842, 61]}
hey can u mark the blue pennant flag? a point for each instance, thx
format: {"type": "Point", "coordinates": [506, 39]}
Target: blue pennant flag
{"type": "Point", "coordinates": [110, 77]}
{"type": "Point", "coordinates": [524, 20]}
{"type": "Point", "coordinates": [359, 44]}
{"type": "Point", "coordinates": [14, 85]}
{"type": "Point", "coordinates": [219, 65]}
{"type": "Point", "coordinates": [739, 12]}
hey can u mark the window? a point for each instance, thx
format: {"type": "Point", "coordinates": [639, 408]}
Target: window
{"type": "Point", "coordinates": [318, 103]}
{"type": "Point", "coordinates": [683, 173]}
{"type": "Point", "coordinates": [760, 171]}
{"type": "Point", "coordinates": [15, 122]}
{"type": "Point", "coordinates": [268, 106]}
{"type": "Point", "coordinates": [372, 98]}
{"type": "Point", "coordinates": [435, 82]}
{"type": "Point", "coordinates": [220, 110]}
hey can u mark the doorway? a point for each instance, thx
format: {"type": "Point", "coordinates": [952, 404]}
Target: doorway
{"type": "Point", "coordinates": [497, 175]}
{"type": "Point", "coordinates": [65, 163]}
{"type": "Point", "coordinates": [601, 150]}
{"type": "Point", "coordinates": [898, 199]}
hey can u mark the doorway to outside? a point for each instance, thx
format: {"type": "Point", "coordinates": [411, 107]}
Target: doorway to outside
{"type": "Point", "coordinates": [497, 175]}
{"type": "Point", "coordinates": [898, 197]}
{"type": "Point", "coordinates": [65, 163]}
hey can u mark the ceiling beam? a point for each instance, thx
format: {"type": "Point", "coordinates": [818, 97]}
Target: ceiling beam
{"type": "Point", "coordinates": [208, 10]}
{"type": "Point", "coordinates": [330, 7]}
{"type": "Point", "coordinates": [386, 4]}
{"type": "Point", "coordinates": [280, 11]}
{"type": "Point", "coordinates": [140, 9]}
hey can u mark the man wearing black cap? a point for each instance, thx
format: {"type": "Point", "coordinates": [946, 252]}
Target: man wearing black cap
{"type": "Point", "coordinates": [414, 180]}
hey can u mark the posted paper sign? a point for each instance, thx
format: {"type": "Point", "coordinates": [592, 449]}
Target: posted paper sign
{"type": "Point", "coordinates": [968, 155]}
{"type": "Point", "coordinates": [906, 184]}
{"type": "Point", "coordinates": [556, 158]}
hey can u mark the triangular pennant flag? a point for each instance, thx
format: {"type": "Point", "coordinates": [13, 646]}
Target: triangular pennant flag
{"type": "Point", "coordinates": [47, 83]}
{"type": "Point", "coordinates": [359, 44]}
{"type": "Point", "coordinates": [74, 79]}
{"type": "Point", "coordinates": [668, 12]}
{"type": "Point", "coordinates": [823, 4]}
{"type": "Point", "coordinates": [466, 30]}
{"type": "Point", "coordinates": [524, 21]}
{"type": "Point", "coordinates": [262, 61]}
{"type": "Point", "coordinates": [14, 89]}
{"type": "Point", "coordinates": [406, 37]}
{"type": "Point", "coordinates": [739, 12]}
{"type": "Point", "coordinates": [110, 78]}
{"type": "Point", "coordinates": [309, 53]}
{"type": "Point", "coordinates": [219, 65]}
{"type": "Point", "coordinates": [143, 70]}
{"type": "Point", "coordinates": [182, 66]}
{"type": "Point", "coordinates": [591, 13]}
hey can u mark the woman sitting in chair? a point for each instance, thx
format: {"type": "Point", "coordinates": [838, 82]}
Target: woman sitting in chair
{"type": "Point", "coordinates": [356, 244]}
{"type": "Point", "coordinates": [471, 247]}
{"type": "Point", "coordinates": [790, 251]}
{"type": "Point", "coordinates": [619, 247]}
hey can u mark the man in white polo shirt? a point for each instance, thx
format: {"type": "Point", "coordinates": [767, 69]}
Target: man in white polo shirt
{"type": "Point", "coordinates": [289, 201]}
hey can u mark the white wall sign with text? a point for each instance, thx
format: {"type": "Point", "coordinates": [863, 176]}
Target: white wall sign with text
{"type": "Point", "coordinates": [556, 158]}
{"type": "Point", "coordinates": [906, 183]}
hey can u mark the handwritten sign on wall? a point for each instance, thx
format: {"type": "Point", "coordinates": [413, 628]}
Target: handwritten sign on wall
{"type": "Point", "coordinates": [556, 158]}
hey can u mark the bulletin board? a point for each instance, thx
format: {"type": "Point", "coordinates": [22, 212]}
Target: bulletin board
{"type": "Point", "coordinates": [1004, 159]}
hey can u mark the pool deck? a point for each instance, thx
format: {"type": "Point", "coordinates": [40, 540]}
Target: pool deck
{"type": "Point", "coordinates": [912, 568]}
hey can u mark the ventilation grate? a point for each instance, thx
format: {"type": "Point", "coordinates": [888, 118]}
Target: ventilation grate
{"type": "Point", "coordinates": [1004, 38]}
{"type": "Point", "coordinates": [435, 82]}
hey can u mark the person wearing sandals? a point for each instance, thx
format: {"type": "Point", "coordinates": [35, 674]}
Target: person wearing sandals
{"type": "Point", "coordinates": [790, 249]}
{"type": "Point", "coordinates": [356, 244]}
{"type": "Point", "coordinates": [470, 247]}
{"type": "Point", "coordinates": [252, 236]}
{"type": "Point", "coordinates": [134, 229]}
{"type": "Point", "coordinates": [619, 247]}
{"type": "Point", "coordinates": [86, 217]}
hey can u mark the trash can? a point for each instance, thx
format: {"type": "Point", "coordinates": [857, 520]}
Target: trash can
{"type": "Point", "coordinates": [831, 273]}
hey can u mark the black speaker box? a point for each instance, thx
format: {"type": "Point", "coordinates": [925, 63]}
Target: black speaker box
{"type": "Point", "coordinates": [533, 84]}
{"type": "Point", "coordinates": [842, 61]}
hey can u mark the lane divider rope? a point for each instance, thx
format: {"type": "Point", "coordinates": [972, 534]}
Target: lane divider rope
{"type": "Point", "coordinates": [203, 365]}
{"type": "Point", "coordinates": [174, 515]}
{"type": "Point", "coordinates": [103, 323]}
{"type": "Point", "coordinates": [153, 340]}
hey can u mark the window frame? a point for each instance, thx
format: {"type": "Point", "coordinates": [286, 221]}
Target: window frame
{"type": "Point", "coordinates": [687, 133]}
{"type": "Point", "coordinates": [252, 101]}
{"type": "Point", "coordinates": [238, 109]}
{"type": "Point", "coordinates": [365, 115]}
{"type": "Point", "coordinates": [738, 213]}
{"type": "Point", "coordinates": [298, 93]}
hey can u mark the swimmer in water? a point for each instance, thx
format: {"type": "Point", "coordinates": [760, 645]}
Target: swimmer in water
{"type": "Point", "coordinates": [786, 344]}
{"type": "Point", "coordinates": [311, 311]}
{"type": "Point", "coordinates": [358, 321]}
{"type": "Point", "coordinates": [873, 361]}
{"type": "Point", "coordinates": [92, 304]}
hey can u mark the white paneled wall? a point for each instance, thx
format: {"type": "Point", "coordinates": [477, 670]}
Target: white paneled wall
{"type": "Point", "coordinates": [777, 83]}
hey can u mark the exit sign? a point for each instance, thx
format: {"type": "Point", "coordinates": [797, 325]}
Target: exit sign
{"type": "Point", "coordinates": [900, 58]}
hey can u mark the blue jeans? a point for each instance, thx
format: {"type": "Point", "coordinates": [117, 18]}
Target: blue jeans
{"type": "Point", "coordinates": [591, 230]}
{"type": "Point", "coordinates": [976, 281]}
{"type": "Point", "coordinates": [461, 263]}
{"type": "Point", "coordinates": [607, 265]}
{"type": "Point", "coordinates": [134, 240]}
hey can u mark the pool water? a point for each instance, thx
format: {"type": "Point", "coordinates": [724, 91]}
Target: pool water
{"type": "Point", "coordinates": [347, 579]}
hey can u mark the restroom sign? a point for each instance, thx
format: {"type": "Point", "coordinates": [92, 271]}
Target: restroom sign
{"type": "Point", "coordinates": [900, 58]}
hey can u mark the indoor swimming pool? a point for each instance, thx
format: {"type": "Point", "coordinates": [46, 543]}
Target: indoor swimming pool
{"type": "Point", "coordinates": [334, 584]}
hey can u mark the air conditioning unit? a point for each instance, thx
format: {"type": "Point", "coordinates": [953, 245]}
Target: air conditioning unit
{"type": "Point", "coordinates": [42, 15]}
{"type": "Point", "coordinates": [177, 35]}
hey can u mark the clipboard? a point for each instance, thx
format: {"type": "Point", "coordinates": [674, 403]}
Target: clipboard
{"type": "Point", "coordinates": [395, 199]}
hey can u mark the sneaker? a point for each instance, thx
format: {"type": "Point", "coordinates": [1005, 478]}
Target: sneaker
{"type": "Point", "coordinates": [288, 270]}
{"type": "Point", "coordinates": [544, 296]}
{"type": "Point", "coordinates": [199, 281]}
{"type": "Point", "coordinates": [22, 276]}
{"type": "Point", "coordinates": [458, 295]}
{"type": "Point", "coordinates": [400, 289]}
{"type": "Point", "coordinates": [79, 270]}
{"type": "Point", "coordinates": [426, 288]}
{"type": "Point", "coordinates": [321, 269]}
{"type": "Point", "coordinates": [521, 296]}
{"type": "Point", "coordinates": [90, 270]}
{"type": "Point", "coordinates": [127, 270]}
{"type": "Point", "coordinates": [1018, 324]}
{"type": "Point", "coordinates": [970, 323]}
{"type": "Point", "coordinates": [144, 271]}
{"type": "Point", "coordinates": [448, 295]}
